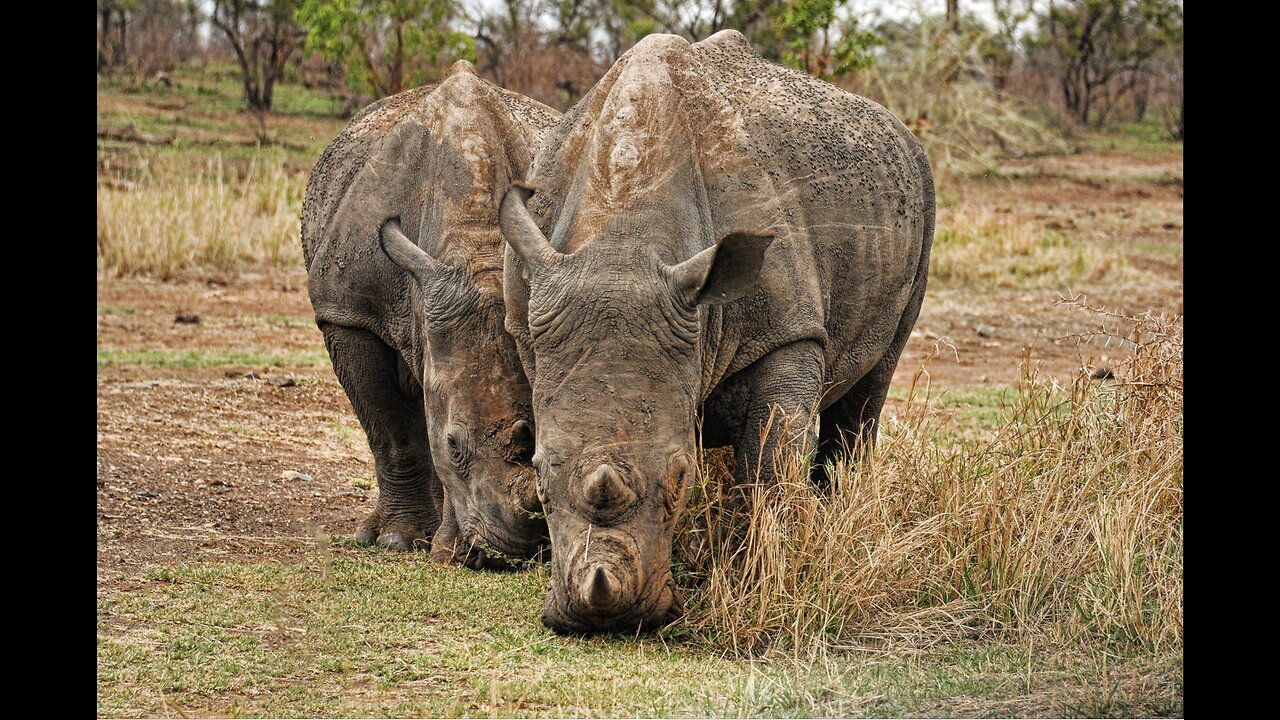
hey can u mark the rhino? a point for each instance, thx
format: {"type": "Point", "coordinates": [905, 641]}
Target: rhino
{"type": "Point", "coordinates": [412, 313]}
{"type": "Point", "coordinates": [706, 240]}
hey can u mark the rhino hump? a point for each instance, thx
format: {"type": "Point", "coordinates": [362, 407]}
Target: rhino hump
{"type": "Point", "coordinates": [721, 139]}
{"type": "Point", "coordinates": [439, 157]}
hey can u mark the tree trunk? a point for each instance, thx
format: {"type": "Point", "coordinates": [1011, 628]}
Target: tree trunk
{"type": "Point", "coordinates": [953, 15]}
{"type": "Point", "coordinates": [122, 50]}
{"type": "Point", "coordinates": [104, 45]}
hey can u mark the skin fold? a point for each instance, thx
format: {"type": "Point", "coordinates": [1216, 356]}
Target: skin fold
{"type": "Point", "coordinates": [705, 238]}
{"type": "Point", "coordinates": [404, 259]}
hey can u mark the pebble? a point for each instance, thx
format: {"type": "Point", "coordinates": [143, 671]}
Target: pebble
{"type": "Point", "coordinates": [295, 475]}
{"type": "Point", "coordinates": [282, 381]}
{"type": "Point", "coordinates": [144, 494]}
{"type": "Point", "coordinates": [186, 318]}
{"type": "Point", "coordinates": [986, 331]}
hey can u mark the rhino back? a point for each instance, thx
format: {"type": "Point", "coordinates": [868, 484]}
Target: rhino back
{"type": "Point", "coordinates": [438, 157]}
{"type": "Point", "coordinates": [731, 141]}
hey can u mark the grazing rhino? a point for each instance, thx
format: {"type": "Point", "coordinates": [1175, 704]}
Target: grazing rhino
{"type": "Point", "coordinates": [414, 328]}
{"type": "Point", "coordinates": [728, 239]}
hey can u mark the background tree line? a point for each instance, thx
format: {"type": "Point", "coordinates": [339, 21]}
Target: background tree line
{"type": "Point", "coordinates": [1066, 62]}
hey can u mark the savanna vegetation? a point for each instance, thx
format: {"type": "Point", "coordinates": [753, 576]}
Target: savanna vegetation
{"type": "Point", "coordinates": [1012, 547]}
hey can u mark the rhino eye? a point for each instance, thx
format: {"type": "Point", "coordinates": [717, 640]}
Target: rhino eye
{"type": "Point", "coordinates": [456, 452]}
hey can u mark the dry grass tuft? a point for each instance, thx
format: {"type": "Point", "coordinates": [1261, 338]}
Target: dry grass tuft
{"type": "Point", "coordinates": [977, 246]}
{"type": "Point", "coordinates": [159, 216]}
{"type": "Point", "coordinates": [1065, 525]}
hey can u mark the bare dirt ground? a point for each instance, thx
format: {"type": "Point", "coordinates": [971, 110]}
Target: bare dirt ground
{"type": "Point", "coordinates": [192, 462]}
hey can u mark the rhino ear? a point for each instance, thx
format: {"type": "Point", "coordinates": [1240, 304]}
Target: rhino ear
{"type": "Point", "coordinates": [404, 253]}
{"type": "Point", "coordinates": [723, 272]}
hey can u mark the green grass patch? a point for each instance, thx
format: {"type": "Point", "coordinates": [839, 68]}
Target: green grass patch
{"type": "Point", "coordinates": [347, 433]}
{"type": "Point", "coordinates": [1145, 138]}
{"type": "Point", "coordinates": [316, 357]}
{"type": "Point", "coordinates": [236, 429]}
{"type": "Point", "coordinates": [358, 631]}
{"type": "Point", "coordinates": [204, 113]}
{"type": "Point", "coordinates": [1164, 178]}
{"type": "Point", "coordinates": [116, 310]}
{"type": "Point", "coordinates": [281, 320]}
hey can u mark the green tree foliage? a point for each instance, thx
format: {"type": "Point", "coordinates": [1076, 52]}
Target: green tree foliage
{"type": "Point", "coordinates": [387, 45]}
{"type": "Point", "coordinates": [1103, 49]}
{"type": "Point", "coordinates": [999, 49]}
{"type": "Point", "coordinates": [806, 35]}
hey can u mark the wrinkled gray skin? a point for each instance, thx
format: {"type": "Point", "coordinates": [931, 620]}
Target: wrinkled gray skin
{"type": "Point", "coordinates": [412, 313]}
{"type": "Point", "coordinates": [712, 238]}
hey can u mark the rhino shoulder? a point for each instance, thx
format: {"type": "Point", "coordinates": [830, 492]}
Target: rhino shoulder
{"type": "Point", "coordinates": [343, 158]}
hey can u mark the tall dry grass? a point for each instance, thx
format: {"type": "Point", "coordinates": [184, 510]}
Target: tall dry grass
{"type": "Point", "coordinates": [978, 247]}
{"type": "Point", "coordinates": [1065, 524]}
{"type": "Point", "coordinates": [159, 215]}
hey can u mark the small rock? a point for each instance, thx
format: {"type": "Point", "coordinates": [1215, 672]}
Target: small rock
{"type": "Point", "coordinates": [232, 373]}
{"type": "Point", "coordinates": [216, 282]}
{"type": "Point", "coordinates": [282, 381]}
{"type": "Point", "coordinates": [144, 494]}
{"type": "Point", "coordinates": [186, 318]}
{"type": "Point", "coordinates": [295, 475]}
{"type": "Point", "coordinates": [986, 331]}
{"type": "Point", "coordinates": [1103, 374]}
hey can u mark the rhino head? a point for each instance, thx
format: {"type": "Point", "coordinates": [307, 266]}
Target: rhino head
{"type": "Point", "coordinates": [616, 344]}
{"type": "Point", "coordinates": [476, 401]}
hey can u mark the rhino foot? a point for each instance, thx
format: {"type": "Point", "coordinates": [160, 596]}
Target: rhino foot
{"type": "Point", "coordinates": [403, 531]}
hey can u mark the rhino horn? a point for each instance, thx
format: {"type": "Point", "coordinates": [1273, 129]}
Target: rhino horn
{"type": "Point", "coordinates": [605, 490]}
{"type": "Point", "coordinates": [521, 232]}
{"type": "Point", "coordinates": [600, 590]}
{"type": "Point", "coordinates": [405, 253]}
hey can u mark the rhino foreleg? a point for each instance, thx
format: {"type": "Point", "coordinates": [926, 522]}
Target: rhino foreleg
{"type": "Point", "coordinates": [849, 424]}
{"type": "Point", "coordinates": [409, 494]}
{"type": "Point", "coordinates": [781, 392]}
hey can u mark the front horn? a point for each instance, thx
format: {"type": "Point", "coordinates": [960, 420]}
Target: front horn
{"type": "Point", "coordinates": [521, 232]}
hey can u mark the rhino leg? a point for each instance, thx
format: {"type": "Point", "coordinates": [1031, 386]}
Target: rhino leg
{"type": "Point", "coordinates": [388, 403]}
{"type": "Point", "coordinates": [778, 394]}
{"type": "Point", "coordinates": [849, 424]}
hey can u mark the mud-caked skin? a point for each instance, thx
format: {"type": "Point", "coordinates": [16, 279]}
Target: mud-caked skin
{"type": "Point", "coordinates": [705, 236]}
{"type": "Point", "coordinates": [404, 259]}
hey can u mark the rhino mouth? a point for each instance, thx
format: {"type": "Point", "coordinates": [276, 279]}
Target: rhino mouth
{"type": "Point", "coordinates": [661, 605]}
{"type": "Point", "coordinates": [484, 552]}
{"type": "Point", "coordinates": [478, 549]}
